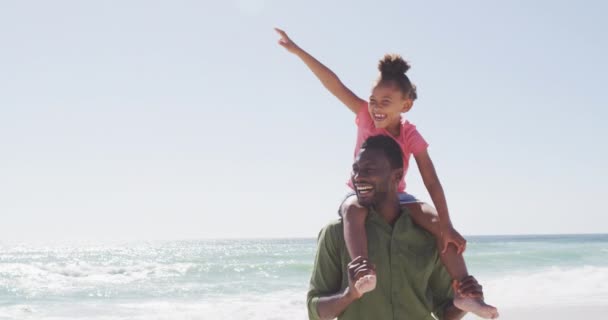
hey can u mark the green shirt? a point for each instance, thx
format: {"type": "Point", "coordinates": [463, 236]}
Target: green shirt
{"type": "Point", "coordinates": [411, 280]}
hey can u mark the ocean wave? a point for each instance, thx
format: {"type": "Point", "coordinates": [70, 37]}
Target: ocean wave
{"type": "Point", "coordinates": [247, 279]}
{"type": "Point", "coordinates": [552, 287]}
{"type": "Point", "coordinates": [59, 278]}
{"type": "Point", "coordinates": [79, 279]}
{"type": "Point", "coordinates": [585, 285]}
{"type": "Point", "coordinates": [278, 305]}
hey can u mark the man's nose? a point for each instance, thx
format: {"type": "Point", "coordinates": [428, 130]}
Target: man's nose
{"type": "Point", "coordinates": [357, 176]}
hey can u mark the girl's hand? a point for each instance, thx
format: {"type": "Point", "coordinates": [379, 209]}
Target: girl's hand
{"type": "Point", "coordinates": [450, 235]}
{"type": "Point", "coordinates": [285, 42]}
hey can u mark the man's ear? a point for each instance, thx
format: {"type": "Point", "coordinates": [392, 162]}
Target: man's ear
{"type": "Point", "coordinates": [407, 105]}
{"type": "Point", "coordinates": [398, 175]}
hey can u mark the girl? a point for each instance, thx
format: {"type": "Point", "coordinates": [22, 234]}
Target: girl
{"type": "Point", "coordinates": [392, 95]}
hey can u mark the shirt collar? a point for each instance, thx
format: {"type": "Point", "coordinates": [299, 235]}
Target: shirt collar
{"type": "Point", "coordinates": [403, 220]}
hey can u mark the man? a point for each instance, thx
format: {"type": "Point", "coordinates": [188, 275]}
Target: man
{"type": "Point", "coordinates": [412, 283]}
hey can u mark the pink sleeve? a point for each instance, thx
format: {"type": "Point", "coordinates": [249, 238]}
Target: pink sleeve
{"type": "Point", "coordinates": [414, 141]}
{"type": "Point", "coordinates": [363, 118]}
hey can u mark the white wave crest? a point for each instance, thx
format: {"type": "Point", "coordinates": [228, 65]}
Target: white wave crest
{"type": "Point", "coordinates": [62, 278]}
{"type": "Point", "coordinates": [278, 305]}
{"type": "Point", "coordinates": [579, 286]}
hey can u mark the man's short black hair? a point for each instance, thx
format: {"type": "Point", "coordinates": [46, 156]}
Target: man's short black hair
{"type": "Point", "coordinates": [387, 145]}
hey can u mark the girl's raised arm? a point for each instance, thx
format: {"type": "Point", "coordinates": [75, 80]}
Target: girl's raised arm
{"type": "Point", "coordinates": [328, 78]}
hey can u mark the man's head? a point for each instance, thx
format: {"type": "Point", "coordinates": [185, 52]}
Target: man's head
{"type": "Point", "coordinates": [377, 170]}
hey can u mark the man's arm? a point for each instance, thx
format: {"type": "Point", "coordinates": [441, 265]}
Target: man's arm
{"type": "Point", "coordinates": [326, 299]}
{"type": "Point", "coordinates": [326, 279]}
{"type": "Point", "coordinates": [331, 307]}
{"type": "Point", "coordinates": [443, 295]}
{"type": "Point", "coordinates": [470, 288]}
{"type": "Point", "coordinates": [450, 312]}
{"type": "Point", "coordinates": [440, 284]}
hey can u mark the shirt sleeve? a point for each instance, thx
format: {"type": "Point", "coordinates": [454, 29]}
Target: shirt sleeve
{"type": "Point", "coordinates": [440, 284]}
{"type": "Point", "coordinates": [363, 119]}
{"type": "Point", "coordinates": [326, 276]}
{"type": "Point", "coordinates": [414, 141]}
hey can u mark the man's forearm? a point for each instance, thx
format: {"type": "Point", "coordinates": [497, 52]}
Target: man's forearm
{"type": "Point", "coordinates": [332, 306]}
{"type": "Point", "coordinates": [453, 313]}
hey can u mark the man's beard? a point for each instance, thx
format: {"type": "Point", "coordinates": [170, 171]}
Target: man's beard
{"type": "Point", "coordinates": [381, 192]}
{"type": "Point", "coordinates": [379, 198]}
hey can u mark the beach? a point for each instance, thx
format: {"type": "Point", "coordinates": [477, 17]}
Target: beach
{"type": "Point", "coordinates": [554, 313]}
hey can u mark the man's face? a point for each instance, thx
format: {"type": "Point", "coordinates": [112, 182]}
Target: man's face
{"type": "Point", "coordinates": [372, 177]}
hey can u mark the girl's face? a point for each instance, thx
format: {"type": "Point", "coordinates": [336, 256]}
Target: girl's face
{"type": "Point", "coordinates": [386, 105]}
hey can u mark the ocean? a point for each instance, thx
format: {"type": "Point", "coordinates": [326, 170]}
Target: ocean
{"type": "Point", "coordinates": [267, 279]}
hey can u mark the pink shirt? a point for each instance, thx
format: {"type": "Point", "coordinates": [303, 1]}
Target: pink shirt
{"type": "Point", "coordinates": [410, 140]}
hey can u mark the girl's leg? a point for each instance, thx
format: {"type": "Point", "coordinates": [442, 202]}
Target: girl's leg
{"type": "Point", "coordinates": [426, 217]}
{"type": "Point", "coordinates": [355, 237]}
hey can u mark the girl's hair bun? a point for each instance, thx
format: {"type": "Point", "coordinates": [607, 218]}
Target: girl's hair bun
{"type": "Point", "coordinates": [393, 65]}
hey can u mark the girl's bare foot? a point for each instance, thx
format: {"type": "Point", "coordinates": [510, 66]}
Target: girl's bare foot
{"type": "Point", "coordinates": [366, 283]}
{"type": "Point", "coordinates": [476, 306]}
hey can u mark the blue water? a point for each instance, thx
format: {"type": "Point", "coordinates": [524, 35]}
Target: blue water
{"type": "Point", "coordinates": [264, 279]}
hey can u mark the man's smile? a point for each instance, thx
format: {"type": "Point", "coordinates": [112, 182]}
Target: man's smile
{"type": "Point", "coordinates": [364, 188]}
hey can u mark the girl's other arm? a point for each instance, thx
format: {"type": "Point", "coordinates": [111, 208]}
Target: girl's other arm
{"type": "Point", "coordinates": [327, 77]}
{"type": "Point", "coordinates": [432, 184]}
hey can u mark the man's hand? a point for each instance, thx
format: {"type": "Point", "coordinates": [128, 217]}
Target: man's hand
{"type": "Point", "coordinates": [358, 268]}
{"type": "Point", "coordinates": [469, 287]}
{"type": "Point", "coordinates": [469, 298]}
{"type": "Point", "coordinates": [450, 235]}
{"type": "Point", "coordinates": [286, 42]}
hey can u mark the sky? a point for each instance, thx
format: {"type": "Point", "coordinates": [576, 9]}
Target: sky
{"type": "Point", "coordinates": [137, 120]}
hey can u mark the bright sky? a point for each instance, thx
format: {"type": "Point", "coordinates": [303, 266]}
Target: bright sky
{"type": "Point", "coordinates": [185, 119]}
